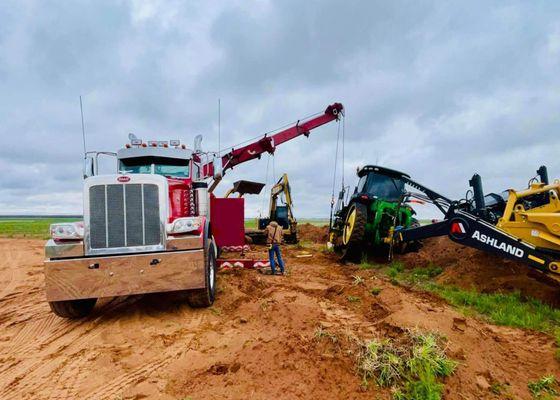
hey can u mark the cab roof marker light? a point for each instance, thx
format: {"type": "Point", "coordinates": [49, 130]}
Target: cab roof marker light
{"type": "Point", "coordinates": [162, 143]}
{"type": "Point", "coordinates": [174, 143]}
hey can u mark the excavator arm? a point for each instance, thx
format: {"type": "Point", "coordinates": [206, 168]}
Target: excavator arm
{"type": "Point", "coordinates": [268, 144]}
{"type": "Point", "coordinates": [282, 186]}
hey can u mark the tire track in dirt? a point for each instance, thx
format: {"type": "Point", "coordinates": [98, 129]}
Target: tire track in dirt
{"type": "Point", "coordinates": [39, 344]}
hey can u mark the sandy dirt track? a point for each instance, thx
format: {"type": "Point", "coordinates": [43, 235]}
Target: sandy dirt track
{"type": "Point", "coordinates": [258, 341]}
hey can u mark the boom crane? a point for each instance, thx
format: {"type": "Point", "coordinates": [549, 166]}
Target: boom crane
{"type": "Point", "coordinates": [268, 144]}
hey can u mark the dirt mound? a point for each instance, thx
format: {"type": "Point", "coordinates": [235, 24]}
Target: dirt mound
{"type": "Point", "coordinates": [470, 268]}
{"type": "Point", "coordinates": [287, 337]}
{"type": "Point", "coordinates": [312, 233]}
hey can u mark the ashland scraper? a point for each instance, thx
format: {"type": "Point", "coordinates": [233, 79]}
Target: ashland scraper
{"type": "Point", "coordinates": [522, 225]}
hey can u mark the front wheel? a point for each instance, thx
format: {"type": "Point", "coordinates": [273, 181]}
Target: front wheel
{"type": "Point", "coordinates": [354, 233]}
{"type": "Point", "coordinates": [205, 297]}
{"type": "Point", "coordinates": [72, 308]}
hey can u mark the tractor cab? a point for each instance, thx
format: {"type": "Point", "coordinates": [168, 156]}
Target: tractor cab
{"type": "Point", "coordinates": [375, 206]}
{"type": "Point", "coordinates": [379, 182]}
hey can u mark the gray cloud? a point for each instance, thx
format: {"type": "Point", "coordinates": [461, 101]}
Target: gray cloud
{"type": "Point", "coordinates": [440, 90]}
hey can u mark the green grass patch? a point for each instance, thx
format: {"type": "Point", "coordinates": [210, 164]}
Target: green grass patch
{"type": "Point", "coordinates": [508, 309]}
{"type": "Point", "coordinates": [251, 223]}
{"type": "Point", "coordinates": [413, 368]}
{"type": "Point", "coordinates": [375, 291]}
{"type": "Point", "coordinates": [29, 227]}
{"type": "Point", "coordinates": [365, 265]}
{"type": "Point", "coordinates": [545, 388]}
{"type": "Point", "coordinates": [353, 299]}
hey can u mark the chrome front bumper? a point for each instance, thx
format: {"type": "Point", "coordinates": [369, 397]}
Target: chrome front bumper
{"type": "Point", "coordinates": [94, 277]}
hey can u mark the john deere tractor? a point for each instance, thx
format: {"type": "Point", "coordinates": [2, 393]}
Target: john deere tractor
{"type": "Point", "coordinates": [373, 209]}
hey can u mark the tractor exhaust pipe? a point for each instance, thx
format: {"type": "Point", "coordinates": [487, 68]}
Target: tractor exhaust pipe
{"type": "Point", "coordinates": [478, 193]}
{"type": "Point", "coordinates": [542, 172]}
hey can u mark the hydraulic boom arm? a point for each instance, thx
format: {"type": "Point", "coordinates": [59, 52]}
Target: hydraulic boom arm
{"type": "Point", "coordinates": [269, 143]}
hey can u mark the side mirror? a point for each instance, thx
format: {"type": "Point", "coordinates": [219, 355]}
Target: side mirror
{"type": "Point", "coordinates": [88, 168]}
{"type": "Point", "coordinates": [218, 169]}
{"type": "Point", "coordinates": [198, 143]}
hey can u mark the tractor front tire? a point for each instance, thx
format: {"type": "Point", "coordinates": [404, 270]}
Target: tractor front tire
{"type": "Point", "coordinates": [199, 298]}
{"type": "Point", "coordinates": [354, 233]}
{"type": "Point", "coordinates": [72, 308]}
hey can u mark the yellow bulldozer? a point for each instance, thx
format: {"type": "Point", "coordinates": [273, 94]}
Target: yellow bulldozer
{"type": "Point", "coordinates": [522, 225]}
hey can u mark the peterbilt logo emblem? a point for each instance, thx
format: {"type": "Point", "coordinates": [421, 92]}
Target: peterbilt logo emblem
{"type": "Point", "coordinates": [123, 179]}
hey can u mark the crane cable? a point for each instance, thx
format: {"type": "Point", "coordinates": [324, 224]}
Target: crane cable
{"type": "Point", "coordinates": [334, 173]}
{"type": "Point", "coordinates": [343, 135]}
{"type": "Point", "coordinates": [265, 185]}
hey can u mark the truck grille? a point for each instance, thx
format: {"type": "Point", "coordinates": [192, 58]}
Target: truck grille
{"type": "Point", "coordinates": [124, 216]}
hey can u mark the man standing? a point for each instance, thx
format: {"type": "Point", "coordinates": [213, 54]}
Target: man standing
{"type": "Point", "coordinates": [274, 238]}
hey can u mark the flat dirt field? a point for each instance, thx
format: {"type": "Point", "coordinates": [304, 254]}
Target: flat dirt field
{"type": "Point", "coordinates": [260, 340]}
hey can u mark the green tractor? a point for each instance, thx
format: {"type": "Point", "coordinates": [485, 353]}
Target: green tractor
{"type": "Point", "coordinates": [366, 222]}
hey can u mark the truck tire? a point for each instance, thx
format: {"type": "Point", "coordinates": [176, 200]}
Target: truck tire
{"type": "Point", "coordinates": [354, 232]}
{"type": "Point", "coordinates": [205, 297]}
{"type": "Point", "coordinates": [72, 308]}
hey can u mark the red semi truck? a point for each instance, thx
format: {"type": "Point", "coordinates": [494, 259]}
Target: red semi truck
{"type": "Point", "coordinates": [155, 225]}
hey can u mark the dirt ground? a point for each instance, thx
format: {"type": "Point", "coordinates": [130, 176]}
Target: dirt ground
{"type": "Point", "coordinates": [258, 341]}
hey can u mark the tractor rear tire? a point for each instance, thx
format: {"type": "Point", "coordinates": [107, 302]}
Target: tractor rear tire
{"type": "Point", "coordinates": [354, 233]}
{"type": "Point", "coordinates": [199, 298]}
{"type": "Point", "coordinates": [72, 308]}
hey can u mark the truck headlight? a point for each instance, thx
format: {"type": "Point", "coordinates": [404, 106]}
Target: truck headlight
{"type": "Point", "coordinates": [68, 231]}
{"type": "Point", "coordinates": [183, 225]}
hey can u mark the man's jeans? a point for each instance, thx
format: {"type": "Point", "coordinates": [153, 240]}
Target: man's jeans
{"type": "Point", "coordinates": [275, 249]}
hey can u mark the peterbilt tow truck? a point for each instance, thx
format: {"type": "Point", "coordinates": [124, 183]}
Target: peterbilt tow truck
{"type": "Point", "coordinates": [155, 225]}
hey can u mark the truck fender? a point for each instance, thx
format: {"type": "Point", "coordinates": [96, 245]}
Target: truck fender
{"type": "Point", "coordinates": [207, 234]}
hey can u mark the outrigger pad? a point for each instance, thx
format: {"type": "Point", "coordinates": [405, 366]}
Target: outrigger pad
{"type": "Point", "coordinates": [247, 187]}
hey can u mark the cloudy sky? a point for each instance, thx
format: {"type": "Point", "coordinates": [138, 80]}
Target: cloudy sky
{"type": "Point", "coordinates": [437, 89]}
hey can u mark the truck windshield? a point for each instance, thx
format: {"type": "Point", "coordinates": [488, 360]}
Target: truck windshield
{"type": "Point", "coordinates": [156, 165]}
{"type": "Point", "coordinates": [384, 187]}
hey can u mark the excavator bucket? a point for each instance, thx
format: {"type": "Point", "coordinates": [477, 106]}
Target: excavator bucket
{"type": "Point", "coordinates": [245, 187]}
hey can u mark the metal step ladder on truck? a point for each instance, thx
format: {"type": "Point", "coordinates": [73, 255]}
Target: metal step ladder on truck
{"type": "Point", "coordinates": [155, 225]}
